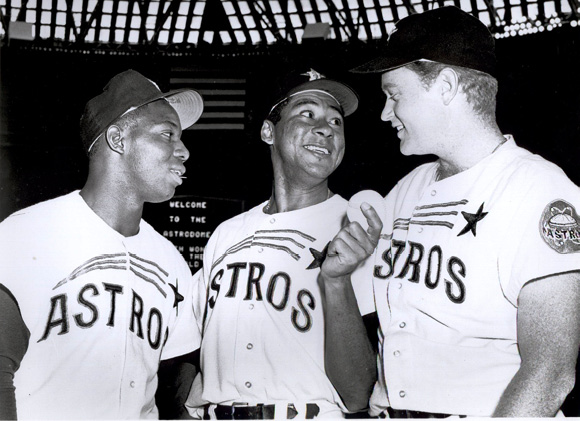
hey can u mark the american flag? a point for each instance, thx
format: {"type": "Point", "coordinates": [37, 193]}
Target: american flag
{"type": "Point", "coordinates": [224, 98]}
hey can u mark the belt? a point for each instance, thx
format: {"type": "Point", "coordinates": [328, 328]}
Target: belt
{"type": "Point", "coordinates": [257, 412]}
{"type": "Point", "coordinates": [406, 413]}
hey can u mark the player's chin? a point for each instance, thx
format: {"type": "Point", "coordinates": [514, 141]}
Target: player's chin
{"type": "Point", "coordinates": [407, 148]}
{"type": "Point", "coordinates": [162, 196]}
{"type": "Point", "coordinates": [323, 171]}
{"type": "Point", "coordinates": [404, 148]}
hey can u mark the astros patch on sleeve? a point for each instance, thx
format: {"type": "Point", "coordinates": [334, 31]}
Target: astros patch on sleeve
{"type": "Point", "coordinates": [560, 228]}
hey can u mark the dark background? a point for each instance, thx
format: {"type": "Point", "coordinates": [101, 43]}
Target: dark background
{"type": "Point", "coordinates": [42, 95]}
{"type": "Point", "coordinates": [43, 92]}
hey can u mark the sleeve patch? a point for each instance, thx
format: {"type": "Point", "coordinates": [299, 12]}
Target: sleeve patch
{"type": "Point", "coordinates": [560, 227]}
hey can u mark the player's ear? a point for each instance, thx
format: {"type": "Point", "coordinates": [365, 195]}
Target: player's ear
{"type": "Point", "coordinates": [114, 138]}
{"type": "Point", "coordinates": [448, 83]}
{"type": "Point", "coordinates": [267, 132]}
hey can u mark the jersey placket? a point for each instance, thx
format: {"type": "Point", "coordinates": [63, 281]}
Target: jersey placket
{"type": "Point", "coordinates": [398, 349]}
{"type": "Point", "coordinates": [248, 351]}
{"type": "Point", "coordinates": [252, 315]}
{"type": "Point", "coordinates": [129, 391]}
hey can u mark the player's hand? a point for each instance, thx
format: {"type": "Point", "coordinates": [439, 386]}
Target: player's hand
{"type": "Point", "coordinates": [352, 245]}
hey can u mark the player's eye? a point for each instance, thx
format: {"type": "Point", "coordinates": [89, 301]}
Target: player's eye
{"type": "Point", "coordinates": [393, 97]}
{"type": "Point", "coordinates": [307, 113]}
{"type": "Point", "coordinates": [336, 121]}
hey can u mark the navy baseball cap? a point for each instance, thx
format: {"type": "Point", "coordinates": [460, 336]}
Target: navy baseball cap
{"type": "Point", "coordinates": [446, 35]}
{"type": "Point", "coordinates": [312, 81]}
{"type": "Point", "coordinates": [130, 90]}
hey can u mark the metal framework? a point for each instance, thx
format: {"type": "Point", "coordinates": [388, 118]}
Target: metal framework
{"type": "Point", "coordinates": [251, 22]}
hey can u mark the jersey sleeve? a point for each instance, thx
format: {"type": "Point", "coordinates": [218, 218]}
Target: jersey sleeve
{"type": "Point", "coordinates": [542, 237]}
{"type": "Point", "coordinates": [184, 334]}
{"type": "Point", "coordinates": [362, 284]}
{"type": "Point", "coordinates": [14, 336]}
{"type": "Point", "coordinates": [199, 296]}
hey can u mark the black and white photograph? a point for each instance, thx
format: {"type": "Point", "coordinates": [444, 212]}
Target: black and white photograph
{"type": "Point", "coordinates": [289, 209]}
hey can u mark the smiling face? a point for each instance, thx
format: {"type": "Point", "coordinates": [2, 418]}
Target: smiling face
{"type": "Point", "coordinates": [154, 153]}
{"type": "Point", "coordinates": [413, 110]}
{"type": "Point", "coordinates": [308, 141]}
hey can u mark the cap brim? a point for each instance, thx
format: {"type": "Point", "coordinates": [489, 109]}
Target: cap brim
{"type": "Point", "coordinates": [346, 97]}
{"type": "Point", "coordinates": [383, 64]}
{"type": "Point", "coordinates": [187, 103]}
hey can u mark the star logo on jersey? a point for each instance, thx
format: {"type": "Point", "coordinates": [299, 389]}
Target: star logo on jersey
{"type": "Point", "coordinates": [178, 297]}
{"type": "Point", "coordinates": [472, 220]}
{"type": "Point", "coordinates": [319, 257]}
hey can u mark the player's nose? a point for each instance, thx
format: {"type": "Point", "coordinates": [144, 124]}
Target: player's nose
{"type": "Point", "coordinates": [322, 127]}
{"type": "Point", "coordinates": [181, 151]}
{"type": "Point", "coordinates": [387, 114]}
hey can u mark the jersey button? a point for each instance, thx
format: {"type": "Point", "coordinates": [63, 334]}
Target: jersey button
{"type": "Point", "coordinates": [402, 325]}
{"type": "Point", "coordinates": [249, 346]}
{"type": "Point", "coordinates": [272, 220]}
{"type": "Point", "coordinates": [420, 230]}
{"type": "Point", "coordinates": [399, 285]}
{"type": "Point", "coordinates": [397, 353]}
{"type": "Point", "coordinates": [433, 192]}
{"type": "Point", "coordinates": [260, 250]}
{"type": "Point", "coordinates": [251, 306]}
{"type": "Point", "coordinates": [248, 385]}
{"type": "Point", "coordinates": [402, 393]}
{"type": "Point", "coordinates": [132, 384]}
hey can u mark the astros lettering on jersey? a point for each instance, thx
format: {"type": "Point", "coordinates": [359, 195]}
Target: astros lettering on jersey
{"type": "Point", "coordinates": [452, 259]}
{"type": "Point", "coordinates": [263, 333]}
{"type": "Point", "coordinates": [102, 310]}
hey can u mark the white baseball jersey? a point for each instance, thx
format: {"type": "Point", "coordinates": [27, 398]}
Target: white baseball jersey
{"type": "Point", "coordinates": [102, 310]}
{"type": "Point", "coordinates": [263, 335]}
{"type": "Point", "coordinates": [449, 267]}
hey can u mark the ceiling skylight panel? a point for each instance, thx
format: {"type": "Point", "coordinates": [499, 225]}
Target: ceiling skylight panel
{"type": "Point", "coordinates": [178, 37]}
{"type": "Point", "coordinates": [183, 8]}
{"type": "Point", "coordinates": [306, 6]}
{"type": "Point", "coordinates": [180, 22]}
{"type": "Point", "coordinates": [372, 15]}
{"type": "Point", "coordinates": [163, 37]}
{"type": "Point", "coordinates": [322, 6]}
{"type": "Point", "coordinates": [61, 18]}
{"type": "Point", "coordinates": [296, 22]}
{"type": "Point", "coordinates": [240, 36]}
{"type": "Point", "coordinates": [249, 20]}
{"type": "Point", "coordinates": [199, 8]}
{"type": "Point", "coordinates": [196, 22]}
{"type": "Point", "coordinates": [244, 8]}
{"type": "Point", "coordinates": [275, 5]}
{"type": "Point", "coordinates": [123, 7]}
{"type": "Point", "coordinates": [255, 35]}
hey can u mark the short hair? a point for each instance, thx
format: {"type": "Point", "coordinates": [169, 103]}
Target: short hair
{"type": "Point", "coordinates": [276, 114]}
{"type": "Point", "coordinates": [95, 147]}
{"type": "Point", "coordinates": [480, 88]}
{"type": "Point", "coordinates": [126, 122]}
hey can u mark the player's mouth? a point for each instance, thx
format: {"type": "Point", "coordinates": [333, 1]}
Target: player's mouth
{"type": "Point", "coordinates": [399, 129]}
{"type": "Point", "coordinates": [317, 149]}
{"type": "Point", "coordinates": [178, 174]}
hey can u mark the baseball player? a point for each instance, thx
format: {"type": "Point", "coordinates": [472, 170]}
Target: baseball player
{"type": "Point", "coordinates": [262, 352]}
{"type": "Point", "coordinates": [477, 273]}
{"type": "Point", "coordinates": [101, 295]}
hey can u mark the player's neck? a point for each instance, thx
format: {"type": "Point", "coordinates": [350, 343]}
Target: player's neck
{"type": "Point", "coordinates": [290, 199]}
{"type": "Point", "coordinates": [465, 150]}
{"type": "Point", "coordinates": [117, 212]}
